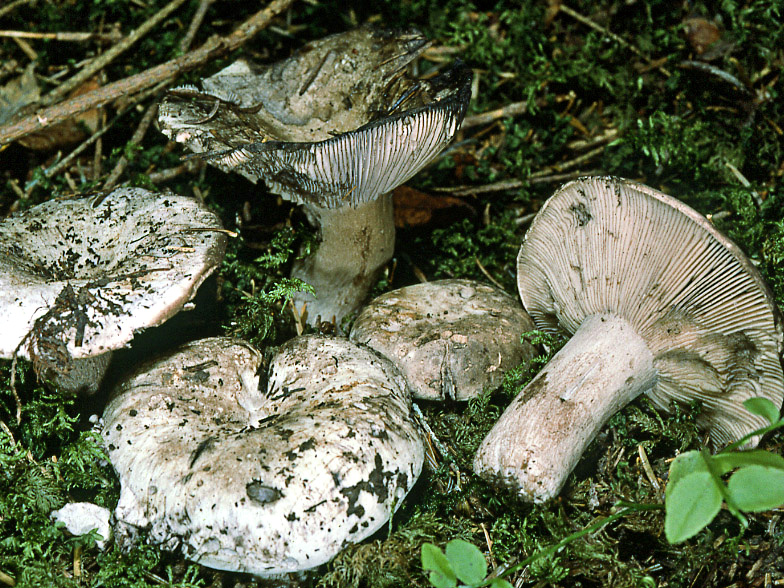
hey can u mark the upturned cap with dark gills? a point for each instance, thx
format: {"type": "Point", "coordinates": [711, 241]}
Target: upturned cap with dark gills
{"type": "Point", "coordinates": [657, 301]}
{"type": "Point", "coordinates": [264, 471]}
{"type": "Point", "coordinates": [451, 339]}
{"type": "Point", "coordinates": [335, 127]}
{"type": "Point", "coordinates": [339, 123]}
{"type": "Point", "coordinates": [78, 277]}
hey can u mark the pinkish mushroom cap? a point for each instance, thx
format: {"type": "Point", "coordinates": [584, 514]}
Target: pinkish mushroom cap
{"type": "Point", "coordinates": [451, 339]}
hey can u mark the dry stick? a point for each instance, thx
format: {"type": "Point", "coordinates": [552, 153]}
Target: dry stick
{"type": "Point", "coordinates": [148, 117]}
{"type": "Point", "coordinates": [66, 36]}
{"type": "Point", "coordinates": [99, 63]}
{"type": "Point", "coordinates": [214, 47]}
{"type": "Point", "coordinates": [620, 40]}
{"type": "Point", "coordinates": [513, 109]}
{"type": "Point", "coordinates": [6, 579]}
{"type": "Point", "coordinates": [196, 21]}
{"type": "Point", "coordinates": [136, 139]}
{"type": "Point", "coordinates": [164, 175]}
{"type": "Point", "coordinates": [6, 9]}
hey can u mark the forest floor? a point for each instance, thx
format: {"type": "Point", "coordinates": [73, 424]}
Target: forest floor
{"type": "Point", "coordinates": [685, 97]}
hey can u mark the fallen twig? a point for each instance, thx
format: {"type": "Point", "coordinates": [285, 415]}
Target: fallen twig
{"type": "Point", "coordinates": [196, 21]}
{"type": "Point", "coordinates": [513, 109]}
{"type": "Point", "coordinates": [214, 47]}
{"type": "Point", "coordinates": [6, 9]}
{"type": "Point", "coordinates": [136, 139]}
{"type": "Point", "coordinates": [64, 36]}
{"type": "Point", "coordinates": [620, 40]}
{"type": "Point", "coordinates": [100, 62]}
{"type": "Point", "coordinates": [164, 175]}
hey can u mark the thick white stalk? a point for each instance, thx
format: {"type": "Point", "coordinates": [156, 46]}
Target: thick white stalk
{"type": "Point", "coordinates": [542, 434]}
{"type": "Point", "coordinates": [355, 243]}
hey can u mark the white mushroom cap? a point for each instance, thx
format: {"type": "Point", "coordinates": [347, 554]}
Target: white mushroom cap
{"type": "Point", "coordinates": [658, 301]}
{"type": "Point", "coordinates": [255, 475]}
{"type": "Point", "coordinates": [80, 518]}
{"type": "Point", "coordinates": [79, 277]}
{"type": "Point", "coordinates": [450, 338]}
{"type": "Point", "coordinates": [337, 123]}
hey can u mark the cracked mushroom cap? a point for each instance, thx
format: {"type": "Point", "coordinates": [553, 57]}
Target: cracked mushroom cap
{"type": "Point", "coordinates": [79, 277]}
{"type": "Point", "coordinates": [338, 123]}
{"type": "Point", "coordinates": [265, 472]}
{"type": "Point", "coordinates": [607, 245]}
{"type": "Point", "coordinates": [450, 338]}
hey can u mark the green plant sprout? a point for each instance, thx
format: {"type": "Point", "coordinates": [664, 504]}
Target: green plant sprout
{"type": "Point", "coordinates": [464, 561]}
{"type": "Point", "coordinates": [696, 490]}
{"type": "Point", "coordinates": [693, 498]}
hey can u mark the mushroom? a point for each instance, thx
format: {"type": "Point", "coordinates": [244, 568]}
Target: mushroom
{"type": "Point", "coordinates": [261, 471]}
{"type": "Point", "coordinates": [657, 301]}
{"type": "Point", "coordinates": [79, 277]}
{"type": "Point", "coordinates": [335, 128]}
{"type": "Point", "coordinates": [79, 518]}
{"type": "Point", "coordinates": [450, 338]}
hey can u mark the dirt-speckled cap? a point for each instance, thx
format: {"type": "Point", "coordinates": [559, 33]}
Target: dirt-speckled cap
{"type": "Point", "coordinates": [79, 277]}
{"type": "Point", "coordinates": [262, 471]}
{"type": "Point", "coordinates": [451, 339]}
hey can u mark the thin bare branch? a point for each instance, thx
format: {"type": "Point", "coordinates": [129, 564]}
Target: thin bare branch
{"type": "Point", "coordinates": [64, 36]}
{"type": "Point", "coordinates": [136, 139]}
{"type": "Point", "coordinates": [13, 6]}
{"type": "Point", "coordinates": [100, 62]}
{"type": "Point", "coordinates": [196, 21]}
{"type": "Point", "coordinates": [214, 47]}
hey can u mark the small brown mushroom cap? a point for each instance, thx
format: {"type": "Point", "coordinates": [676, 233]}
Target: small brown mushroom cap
{"type": "Point", "coordinates": [658, 301]}
{"type": "Point", "coordinates": [79, 277]}
{"type": "Point", "coordinates": [450, 338]}
{"type": "Point", "coordinates": [264, 472]}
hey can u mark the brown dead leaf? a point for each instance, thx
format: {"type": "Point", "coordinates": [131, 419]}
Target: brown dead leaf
{"type": "Point", "coordinates": [413, 207]}
{"type": "Point", "coordinates": [69, 131]}
{"type": "Point", "coordinates": [17, 94]}
{"type": "Point", "coordinates": [701, 33]}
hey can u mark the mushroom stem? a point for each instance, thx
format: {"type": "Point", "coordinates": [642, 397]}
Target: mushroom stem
{"type": "Point", "coordinates": [542, 434]}
{"type": "Point", "coordinates": [355, 243]}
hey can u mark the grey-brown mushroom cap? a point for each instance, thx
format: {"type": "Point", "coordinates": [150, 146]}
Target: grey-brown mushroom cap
{"type": "Point", "coordinates": [450, 338]}
{"type": "Point", "coordinates": [338, 123]}
{"type": "Point", "coordinates": [611, 246]}
{"type": "Point", "coordinates": [264, 477]}
{"type": "Point", "coordinates": [78, 277]}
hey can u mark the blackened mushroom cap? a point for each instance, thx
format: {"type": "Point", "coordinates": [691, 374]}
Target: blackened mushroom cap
{"type": "Point", "coordinates": [451, 339]}
{"type": "Point", "coordinates": [262, 471]}
{"type": "Point", "coordinates": [337, 123]}
{"type": "Point", "coordinates": [606, 245]}
{"type": "Point", "coordinates": [79, 277]}
{"type": "Point", "coordinates": [656, 301]}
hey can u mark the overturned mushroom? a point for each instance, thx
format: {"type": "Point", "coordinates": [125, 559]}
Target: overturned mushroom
{"type": "Point", "coordinates": [79, 277]}
{"type": "Point", "coordinates": [657, 301]}
{"type": "Point", "coordinates": [266, 472]}
{"type": "Point", "coordinates": [450, 338]}
{"type": "Point", "coordinates": [335, 128]}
